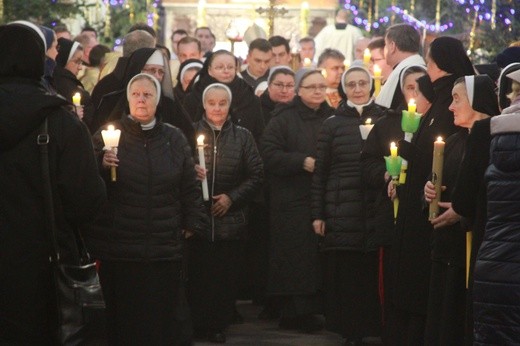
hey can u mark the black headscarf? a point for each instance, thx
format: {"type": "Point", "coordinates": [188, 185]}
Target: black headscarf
{"type": "Point", "coordinates": [450, 56]}
{"type": "Point", "coordinates": [426, 87]}
{"type": "Point", "coordinates": [26, 54]}
{"type": "Point", "coordinates": [481, 94]}
{"type": "Point", "coordinates": [65, 46]}
{"type": "Point", "coordinates": [508, 56]}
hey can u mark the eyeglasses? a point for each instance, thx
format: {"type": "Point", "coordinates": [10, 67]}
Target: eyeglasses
{"type": "Point", "coordinates": [315, 87]}
{"type": "Point", "coordinates": [222, 68]}
{"type": "Point", "coordinates": [153, 71]}
{"type": "Point", "coordinates": [281, 86]}
{"type": "Point", "coordinates": [353, 85]}
{"type": "Point", "coordinates": [78, 62]}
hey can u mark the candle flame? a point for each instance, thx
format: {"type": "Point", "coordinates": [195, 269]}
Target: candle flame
{"type": "Point", "coordinates": [110, 128]}
{"type": "Point", "coordinates": [324, 73]}
{"type": "Point", "coordinates": [377, 69]}
{"type": "Point", "coordinates": [439, 139]}
{"type": "Point", "coordinates": [200, 140]}
{"type": "Point", "coordinates": [412, 102]}
{"type": "Point", "coordinates": [369, 121]}
{"type": "Point", "coordinates": [307, 62]}
{"type": "Point", "coordinates": [367, 51]}
{"type": "Point", "coordinates": [305, 5]}
{"type": "Point", "coordinates": [392, 145]}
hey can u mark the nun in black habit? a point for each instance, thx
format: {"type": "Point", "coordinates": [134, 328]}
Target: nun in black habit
{"type": "Point", "coordinates": [186, 70]}
{"type": "Point", "coordinates": [474, 99]}
{"type": "Point", "coordinates": [113, 106]}
{"type": "Point", "coordinates": [410, 262]}
{"type": "Point", "coordinates": [246, 110]}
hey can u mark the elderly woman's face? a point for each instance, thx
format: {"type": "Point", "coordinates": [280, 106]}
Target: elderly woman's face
{"type": "Point", "coordinates": [357, 87]}
{"type": "Point", "coordinates": [142, 98]}
{"type": "Point", "coordinates": [75, 64]}
{"type": "Point", "coordinates": [223, 68]}
{"type": "Point", "coordinates": [312, 90]}
{"type": "Point", "coordinates": [463, 113]}
{"type": "Point", "coordinates": [216, 104]}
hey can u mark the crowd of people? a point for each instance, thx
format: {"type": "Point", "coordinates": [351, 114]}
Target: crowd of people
{"type": "Point", "coordinates": [256, 179]}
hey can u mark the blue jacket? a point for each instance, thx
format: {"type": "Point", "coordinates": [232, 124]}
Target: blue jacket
{"type": "Point", "coordinates": [497, 279]}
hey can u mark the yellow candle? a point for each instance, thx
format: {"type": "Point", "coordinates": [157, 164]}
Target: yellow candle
{"type": "Point", "coordinates": [412, 107]}
{"type": "Point", "coordinates": [366, 57]}
{"type": "Point", "coordinates": [393, 149]}
{"type": "Point", "coordinates": [437, 165]}
{"type": "Point", "coordinates": [76, 99]}
{"type": "Point", "coordinates": [202, 163]}
{"type": "Point", "coordinates": [377, 80]}
{"type": "Point", "coordinates": [307, 62]}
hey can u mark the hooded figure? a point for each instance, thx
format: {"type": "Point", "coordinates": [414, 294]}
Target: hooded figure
{"type": "Point", "coordinates": [189, 65]}
{"type": "Point", "coordinates": [113, 105]}
{"type": "Point", "coordinates": [26, 299]}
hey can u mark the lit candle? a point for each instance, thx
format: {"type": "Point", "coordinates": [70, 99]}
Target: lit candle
{"type": "Point", "coordinates": [377, 80]}
{"type": "Point", "coordinates": [307, 62]}
{"type": "Point", "coordinates": [412, 107]}
{"type": "Point", "coordinates": [346, 63]}
{"type": "Point", "coordinates": [201, 13]}
{"type": "Point", "coordinates": [111, 139]}
{"type": "Point", "coordinates": [76, 99]}
{"type": "Point", "coordinates": [437, 165]}
{"type": "Point", "coordinates": [324, 73]}
{"type": "Point", "coordinates": [366, 57]}
{"type": "Point", "coordinates": [202, 163]}
{"type": "Point", "coordinates": [393, 149]}
{"type": "Point", "coordinates": [365, 129]}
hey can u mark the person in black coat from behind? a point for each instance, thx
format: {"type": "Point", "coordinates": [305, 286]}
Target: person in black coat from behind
{"type": "Point", "coordinates": [288, 148]}
{"type": "Point", "coordinates": [221, 67]}
{"type": "Point", "coordinates": [474, 99]}
{"type": "Point", "coordinates": [339, 211]}
{"type": "Point", "coordinates": [113, 106]}
{"type": "Point", "coordinates": [28, 308]}
{"type": "Point", "coordinates": [152, 206]}
{"type": "Point", "coordinates": [446, 61]}
{"type": "Point", "coordinates": [234, 174]}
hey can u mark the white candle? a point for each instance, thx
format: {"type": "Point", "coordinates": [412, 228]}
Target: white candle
{"type": "Point", "coordinates": [202, 163]}
{"type": "Point", "coordinates": [111, 139]}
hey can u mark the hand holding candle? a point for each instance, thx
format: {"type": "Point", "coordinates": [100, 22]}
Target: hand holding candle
{"type": "Point", "coordinates": [437, 166]}
{"type": "Point", "coordinates": [111, 139]}
{"type": "Point", "coordinates": [202, 163]}
{"type": "Point", "coordinates": [393, 167]}
{"type": "Point", "coordinates": [365, 129]}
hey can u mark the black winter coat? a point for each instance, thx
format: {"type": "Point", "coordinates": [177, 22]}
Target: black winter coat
{"type": "Point", "coordinates": [290, 137]}
{"type": "Point", "coordinates": [78, 192]}
{"type": "Point", "coordinates": [245, 109]}
{"type": "Point", "coordinates": [373, 168]}
{"type": "Point", "coordinates": [411, 247]}
{"type": "Point", "coordinates": [495, 289]}
{"type": "Point", "coordinates": [338, 196]}
{"type": "Point", "coordinates": [234, 168]}
{"type": "Point", "coordinates": [155, 197]}
{"type": "Point", "coordinates": [268, 106]}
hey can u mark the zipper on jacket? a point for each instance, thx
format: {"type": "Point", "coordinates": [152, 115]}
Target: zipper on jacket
{"type": "Point", "coordinates": [149, 199]}
{"type": "Point", "coordinates": [215, 139]}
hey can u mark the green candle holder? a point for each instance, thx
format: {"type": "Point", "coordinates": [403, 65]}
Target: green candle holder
{"type": "Point", "coordinates": [393, 165]}
{"type": "Point", "coordinates": [410, 121]}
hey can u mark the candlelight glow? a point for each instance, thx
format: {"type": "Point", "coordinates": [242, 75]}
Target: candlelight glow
{"type": "Point", "coordinates": [439, 139]}
{"type": "Point", "coordinates": [200, 140]}
{"type": "Point", "coordinates": [369, 121]}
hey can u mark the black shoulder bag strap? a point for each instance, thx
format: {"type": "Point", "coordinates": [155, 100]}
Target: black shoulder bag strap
{"type": "Point", "coordinates": [43, 140]}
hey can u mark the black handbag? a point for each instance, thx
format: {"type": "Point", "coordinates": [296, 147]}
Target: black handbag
{"type": "Point", "coordinates": [80, 303]}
